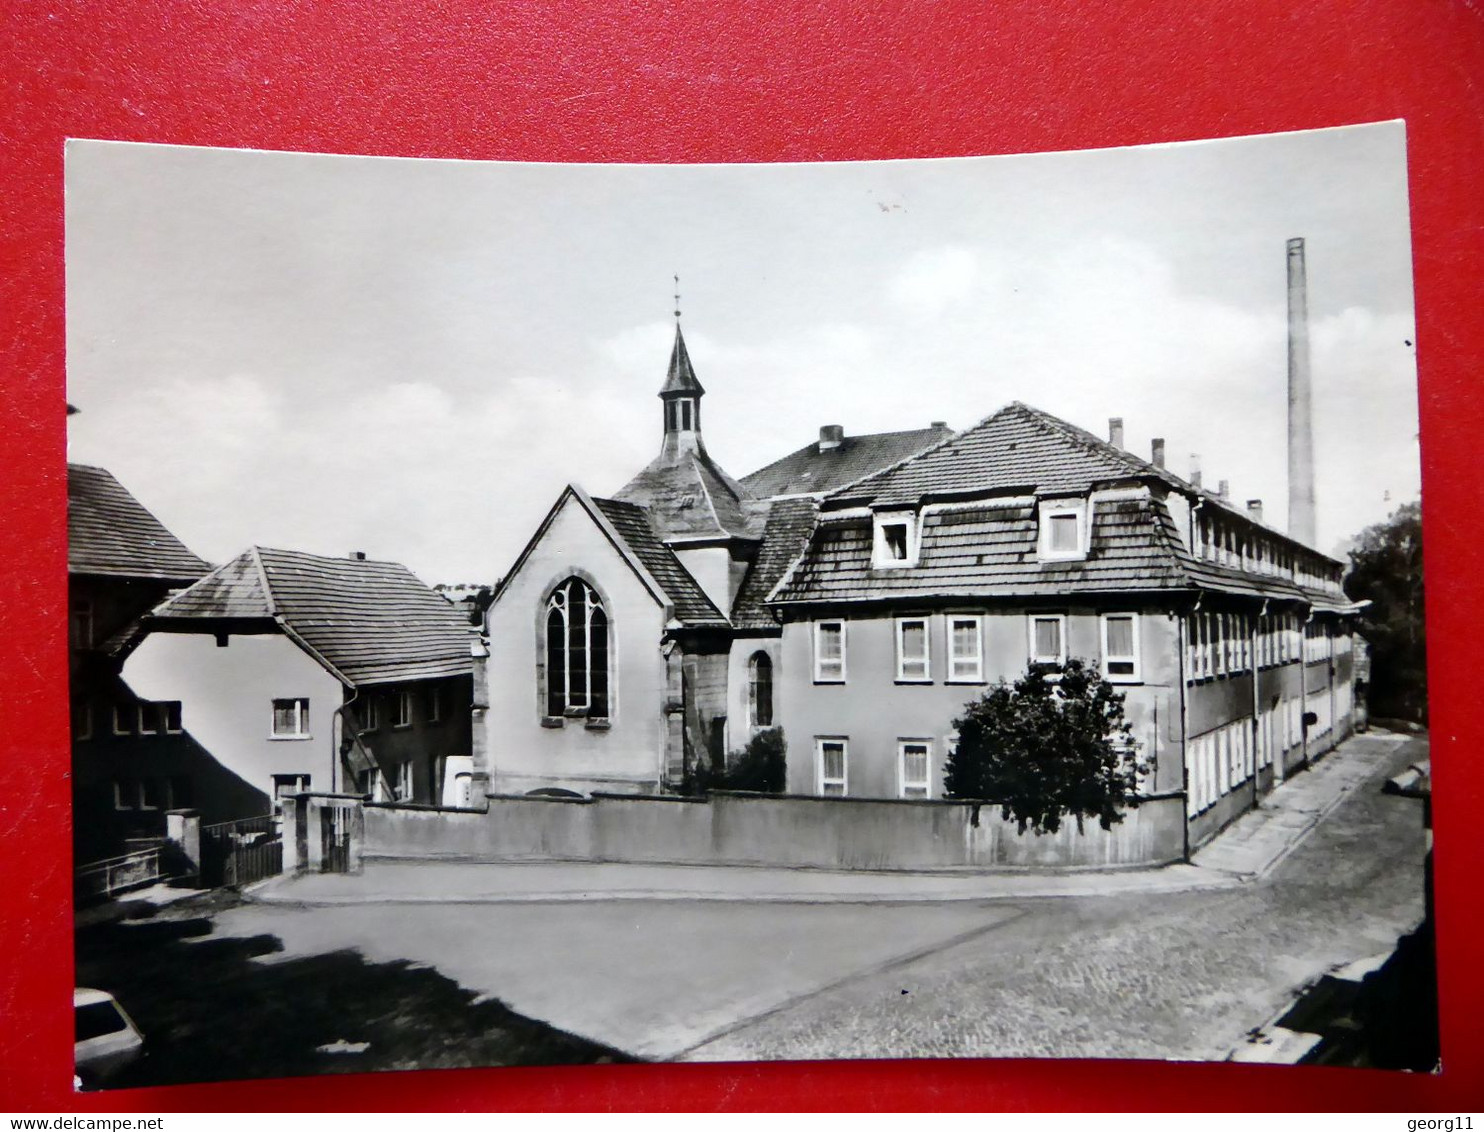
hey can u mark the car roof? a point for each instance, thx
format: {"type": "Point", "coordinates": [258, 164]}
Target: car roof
{"type": "Point", "coordinates": [86, 996]}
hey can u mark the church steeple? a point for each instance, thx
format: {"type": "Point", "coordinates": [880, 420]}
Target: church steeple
{"type": "Point", "coordinates": [681, 396]}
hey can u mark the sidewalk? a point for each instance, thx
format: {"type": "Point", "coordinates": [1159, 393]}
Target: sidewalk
{"type": "Point", "coordinates": [1248, 850]}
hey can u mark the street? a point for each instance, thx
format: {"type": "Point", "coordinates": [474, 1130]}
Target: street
{"type": "Point", "coordinates": [1150, 969]}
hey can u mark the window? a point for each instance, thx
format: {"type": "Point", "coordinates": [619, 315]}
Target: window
{"type": "Point", "coordinates": [124, 718]}
{"type": "Point", "coordinates": [80, 624]}
{"type": "Point", "coordinates": [402, 709]}
{"type": "Point", "coordinates": [1048, 645]}
{"type": "Point", "coordinates": [913, 662]}
{"type": "Point", "coordinates": [286, 786]}
{"type": "Point", "coordinates": [965, 649]}
{"type": "Point", "coordinates": [404, 781]}
{"type": "Point", "coordinates": [291, 719]}
{"type": "Point", "coordinates": [895, 542]}
{"type": "Point", "coordinates": [1121, 647]}
{"type": "Point", "coordinates": [435, 704]}
{"type": "Point", "coordinates": [371, 712]}
{"type": "Point", "coordinates": [161, 718]}
{"type": "Point", "coordinates": [829, 652]}
{"type": "Point", "coordinates": [125, 794]}
{"type": "Point", "coordinates": [760, 690]}
{"type": "Point", "coordinates": [1063, 530]}
{"type": "Point", "coordinates": [913, 768]}
{"type": "Point", "coordinates": [576, 652]}
{"type": "Point", "coordinates": [151, 794]}
{"type": "Point", "coordinates": [831, 766]}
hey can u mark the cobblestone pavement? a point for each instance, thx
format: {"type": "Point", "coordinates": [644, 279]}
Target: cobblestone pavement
{"type": "Point", "coordinates": [1174, 975]}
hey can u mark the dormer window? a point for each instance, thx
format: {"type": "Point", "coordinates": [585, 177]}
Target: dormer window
{"type": "Point", "coordinates": [895, 541]}
{"type": "Point", "coordinates": [1063, 529]}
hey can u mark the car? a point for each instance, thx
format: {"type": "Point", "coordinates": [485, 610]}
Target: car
{"type": "Point", "coordinates": [106, 1037]}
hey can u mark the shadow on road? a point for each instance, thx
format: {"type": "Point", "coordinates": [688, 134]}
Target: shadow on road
{"type": "Point", "coordinates": [210, 1010]}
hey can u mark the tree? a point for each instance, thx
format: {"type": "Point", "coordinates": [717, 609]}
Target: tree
{"type": "Point", "coordinates": [1045, 749]}
{"type": "Point", "coordinates": [1386, 569]}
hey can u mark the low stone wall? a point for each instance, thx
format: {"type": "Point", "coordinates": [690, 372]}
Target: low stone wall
{"type": "Point", "coordinates": [750, 829]}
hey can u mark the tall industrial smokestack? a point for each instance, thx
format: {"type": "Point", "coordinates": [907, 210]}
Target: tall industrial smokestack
{"type": "Point", "coordinates": [1300, 401]}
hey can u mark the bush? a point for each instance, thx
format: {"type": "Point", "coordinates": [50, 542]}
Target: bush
{"type": "Point", "coordinates": [1044, 749]}
{"type": "Point", "coordinates": [758, 767]}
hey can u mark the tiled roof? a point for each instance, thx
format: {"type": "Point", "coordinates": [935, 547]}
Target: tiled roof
{"type": "Point", "coordinates": [632, 524]}
{"type": "Point", "coordinates": [1021, 447]}
{"type": "Point", "coordinates": [784, 538]}
{"type": "Point", "coordinates": [110, 532]}
{"type": "Point", "coordinates": [1017, 447]}
{"type": "Point", "coordinates": [812, 470]}
{"type": "Point", "coordinates": [690, 497]}
{"type": "Point", "coordinates": [988, 550]}
{"type": "Point", "coordinates": [371, 622]}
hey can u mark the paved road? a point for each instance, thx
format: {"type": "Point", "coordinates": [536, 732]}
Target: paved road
{"type": "Point", "coordinates": [1135, 974]}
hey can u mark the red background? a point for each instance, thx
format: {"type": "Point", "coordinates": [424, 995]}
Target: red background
{"type": "Point", "coordinates": [723, 82]}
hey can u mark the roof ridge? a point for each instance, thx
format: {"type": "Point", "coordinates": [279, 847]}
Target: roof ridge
{"type": "Point", "coordinates": [949, 439]}
{"type": "Point", "coordinates": [257, 559]}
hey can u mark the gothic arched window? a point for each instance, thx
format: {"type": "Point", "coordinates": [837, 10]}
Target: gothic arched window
{"type": "Point", "coordinates": [576, 651]}
{"type": "Point", "coordinates": [760, 689]}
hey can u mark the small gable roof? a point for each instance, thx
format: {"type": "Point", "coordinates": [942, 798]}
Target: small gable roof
{"type": "Point", "coordinates": [368, 622]}
{"type": "Point", "coordinates": [632, 525]}
{"type": "Point", "coordinates": [813, 470]}
{"type": "Point", "coordinates": [111, 533]}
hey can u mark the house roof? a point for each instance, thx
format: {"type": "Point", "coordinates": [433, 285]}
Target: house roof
{"type": "Point", "coordinates": [632, 524]}
{"type": "Point", "coordinates": [1022, 447]}
{"type": "Point", "coordinates": [681, 377]}
{"type": "Point", "coordinates": [688, 496]}
{"type": "Point", "coordinates": [109, 532]}
{"type": "Point", "coordinates": [785, 536]}
{"type": "Point", "coordinates": [367, 622]}
{"type": "Point", "coordinates": [813, 470]}
{"type": "Point", "coordinates": [989, 548]}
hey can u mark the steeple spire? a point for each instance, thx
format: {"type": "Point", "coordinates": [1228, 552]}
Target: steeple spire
{"type": "Point", "coordinates": [681, 394]}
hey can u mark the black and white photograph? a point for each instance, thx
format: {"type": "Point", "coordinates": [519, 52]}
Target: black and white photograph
{"type": "Point", "coordinates": [550, 614]}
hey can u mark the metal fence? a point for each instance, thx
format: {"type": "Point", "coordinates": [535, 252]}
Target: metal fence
{"type": "Point", "coordinates": [240, 852]}
{"type": "Point", "coordinates": [105, 878]}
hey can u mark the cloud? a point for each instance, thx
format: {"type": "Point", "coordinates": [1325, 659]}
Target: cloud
{"type": "Point", "coordinates": [934, 279]}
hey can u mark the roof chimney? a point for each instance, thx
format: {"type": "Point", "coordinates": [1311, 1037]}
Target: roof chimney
{"type": "Point", "coordinates": [1157, 452]}
{"type": "Point", "coordinates": [1300, 407]}
{"type": "Point", "coordinates": [1115, 431]}
{"type": "Point", "coordinates": [358, 555]}
{"type": "Point", "coordinates": [1254, 510]}
{"type": "Point", "coordinates": [940, 424]}
{"type": "Point", "coordinates": [1195, 469]}
{"type": "Point", "coordinates": [831, 436]}
{"type": "Point", "coordinates": [1223, 489]}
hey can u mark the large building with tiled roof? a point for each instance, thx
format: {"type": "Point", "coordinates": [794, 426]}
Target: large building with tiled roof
{"type": "Point", "coordinates": [1026, 540]}
{"type": "Point", "coordinates": [631, 644]}
{"type": "Point", "coordinates": [303, 672]}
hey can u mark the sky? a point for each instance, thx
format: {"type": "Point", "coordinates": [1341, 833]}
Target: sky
{"type": "Point", "coordinates": [412, 358]}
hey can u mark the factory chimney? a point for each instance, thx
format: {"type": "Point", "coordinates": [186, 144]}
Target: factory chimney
{"type": "Point", "coordinates": [1300, 401]}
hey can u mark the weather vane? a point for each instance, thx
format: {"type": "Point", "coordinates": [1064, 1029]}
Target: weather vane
{"type": "Point", "coordinates": [677, 298]}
